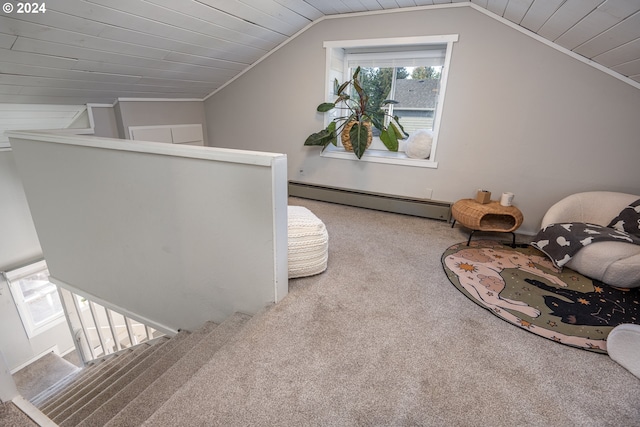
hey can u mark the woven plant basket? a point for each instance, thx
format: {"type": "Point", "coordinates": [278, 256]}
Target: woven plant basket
{"type": "Point", "coordinates": [346, 140]}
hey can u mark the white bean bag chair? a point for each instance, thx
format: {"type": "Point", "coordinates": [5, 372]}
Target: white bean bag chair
{"type": "Point", "coordinates": [614, 263]}
{"type": "Point", "coordinates": [623, 346]}
{"type": "Point", "coordinates": [308, 243]}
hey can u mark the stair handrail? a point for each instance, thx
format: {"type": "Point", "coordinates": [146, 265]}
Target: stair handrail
{"type": "Point", "coordinates": [81, 321]}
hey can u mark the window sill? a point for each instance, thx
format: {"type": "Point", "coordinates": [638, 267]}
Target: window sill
{"type": "Point", "coordinates": [379, 156]}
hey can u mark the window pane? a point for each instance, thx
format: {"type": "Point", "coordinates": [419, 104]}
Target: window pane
{"type": "Point", "coordinates": [41, 298]}
{"type": "Point", "coordinates": [417, 98]}
{"type": "Point", "coordinates": [415, 89]}
{"type": "Point", "coordinates": [376, 82]}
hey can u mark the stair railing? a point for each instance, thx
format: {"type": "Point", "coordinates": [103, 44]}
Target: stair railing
{"type": "Point", "coordinates": [99, 331]}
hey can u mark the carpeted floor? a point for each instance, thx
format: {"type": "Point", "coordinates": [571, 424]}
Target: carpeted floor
{"type": "Point", "coordinates": [42, 374]}
{"type": "Point", "coordinates": [11, 416]}
{"type": "Point", "coordinates": [521, 286]}
{"type": "Point", "coordinates": [382, 338]}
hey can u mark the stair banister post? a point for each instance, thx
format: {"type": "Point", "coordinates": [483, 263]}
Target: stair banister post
{"type": "Point", "coordinates": [98, 325]}
{"type": "Point", "coordinates": [74, 323]}
{"type": "Point", "coordinates": [133, 340]}
{"type": "Point", "coordinates": [112, 326]}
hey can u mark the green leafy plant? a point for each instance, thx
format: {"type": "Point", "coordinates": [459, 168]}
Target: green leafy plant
{"type": "Point", "coordinates": [354, 106]}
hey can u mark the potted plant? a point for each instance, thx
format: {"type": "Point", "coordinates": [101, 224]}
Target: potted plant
{"type": "Point", "coordinates": [356, 118]}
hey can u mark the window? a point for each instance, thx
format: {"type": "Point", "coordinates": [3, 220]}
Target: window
{"type": "Point", "coordinates": [35, 297]}
{"type": "Point", "coordinates": [411, 71]}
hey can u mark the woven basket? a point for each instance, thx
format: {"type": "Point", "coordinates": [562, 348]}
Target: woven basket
{"type": "Point", "coordinates": [346, 140]}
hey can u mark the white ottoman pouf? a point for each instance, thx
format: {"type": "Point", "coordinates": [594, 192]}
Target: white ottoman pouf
{"type": "Point", "coordinates": [623, 346]}
{"type": "Point", "coordinates": [308, 243]}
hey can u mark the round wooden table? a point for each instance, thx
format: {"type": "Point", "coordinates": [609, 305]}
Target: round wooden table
{"type": "Point", "coordinates": [490, 216]}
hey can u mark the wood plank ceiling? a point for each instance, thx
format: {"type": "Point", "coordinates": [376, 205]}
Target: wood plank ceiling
{"type": "Point", "coordinates": [82, 51]}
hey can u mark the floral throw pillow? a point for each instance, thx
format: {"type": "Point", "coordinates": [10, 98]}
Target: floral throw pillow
{"type": "Point", "coordinates": [628, 219]}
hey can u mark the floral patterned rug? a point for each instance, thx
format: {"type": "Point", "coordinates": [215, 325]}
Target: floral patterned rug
{"type": "Point", "coordinates": [520, 285]}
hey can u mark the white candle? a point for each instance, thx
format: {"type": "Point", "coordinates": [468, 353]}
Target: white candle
{"type": "Point", "coordinates": [506, 199]}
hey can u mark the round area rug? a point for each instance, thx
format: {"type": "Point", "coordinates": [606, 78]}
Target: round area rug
{"type": "Point", "coordinates": [521, 286]}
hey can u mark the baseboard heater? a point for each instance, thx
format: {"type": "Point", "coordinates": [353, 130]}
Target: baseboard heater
{"type": "Point", "coordinates": [425, 208]}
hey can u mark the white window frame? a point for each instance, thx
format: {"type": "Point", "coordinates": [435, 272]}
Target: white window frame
{"type": "Point", "coordinates": [13, 278]}
{"type": "Point", "coordinates": [335, 68]}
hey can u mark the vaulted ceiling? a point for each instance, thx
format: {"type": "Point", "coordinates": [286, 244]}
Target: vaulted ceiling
{"type": "Point", "coordinates": [80, 51]}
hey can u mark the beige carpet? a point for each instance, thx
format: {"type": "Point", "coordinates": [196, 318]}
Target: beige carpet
{"type": "Point", "coordinates": [42, 374]}
{"type": "Point", "coordinates": [11, 416]}
{"type": "Point", "coordinates": [383, 339]}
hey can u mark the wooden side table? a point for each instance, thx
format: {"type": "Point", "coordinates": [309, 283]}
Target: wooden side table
{"type": "Point", "coordinates": [490, 216]}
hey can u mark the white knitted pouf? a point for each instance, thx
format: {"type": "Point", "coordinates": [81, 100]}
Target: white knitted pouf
{"type": "Point", "coordinates": [308, 243]}
{"type": "Point", "coordinates": [623, 346]}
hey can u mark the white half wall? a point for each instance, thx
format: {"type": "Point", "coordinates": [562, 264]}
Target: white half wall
{"type": "Point", "coordinates": [519, 115]}
{"type": "Point", "coordinates": [177, 234]}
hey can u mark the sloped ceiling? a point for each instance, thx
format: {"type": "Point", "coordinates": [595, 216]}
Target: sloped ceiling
{"type": "Point", "coordinates": [81, 51]}
{"type": "Point", "coordinates": [38, 116]}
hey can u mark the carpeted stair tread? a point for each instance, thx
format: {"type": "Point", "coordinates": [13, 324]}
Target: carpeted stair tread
{"type": "Point", "coordinates": [89, 407]}
{"type": "Point", "coordinates": [124, 372]}
{"type": "Point", "coordinates": [110, 408]}
{"type": "Point", "coordinates": [167, 415]}
{"type": "Point", "coordinates": [44, 398]}
{"type": "Point", "coordinates": [43, 374]}
{"type": "Point", "coordinates": [147, 402]}
{"type": "Point", "coordinates": [91, 374]}
{"type": "Point", "coordinates": [88, 374]}
{"type": "Point", "coordinates": [92, 368]}
{"type": "Point", "coordinates": [48, 396]}
{"type": "Point", "coordinates": [67, 398]}
{"type": "Point", "coordinates": [49, 393]}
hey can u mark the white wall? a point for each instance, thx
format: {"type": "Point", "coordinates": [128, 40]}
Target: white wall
{"type": "Point", "coordinates": [176, 234]}
{"type": "Point", "coordinates": [105, 124]}
{"type": "Point", "coordinates": [146, 113]}
{"type": "Point", "coordinates": [519, 116]}
{"type": "Point", "coordinates": [19, 245]}
{"type": "Point", "coordinates": [8, 389]}
{"type": "Point", "coordinates": [18, 235]}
